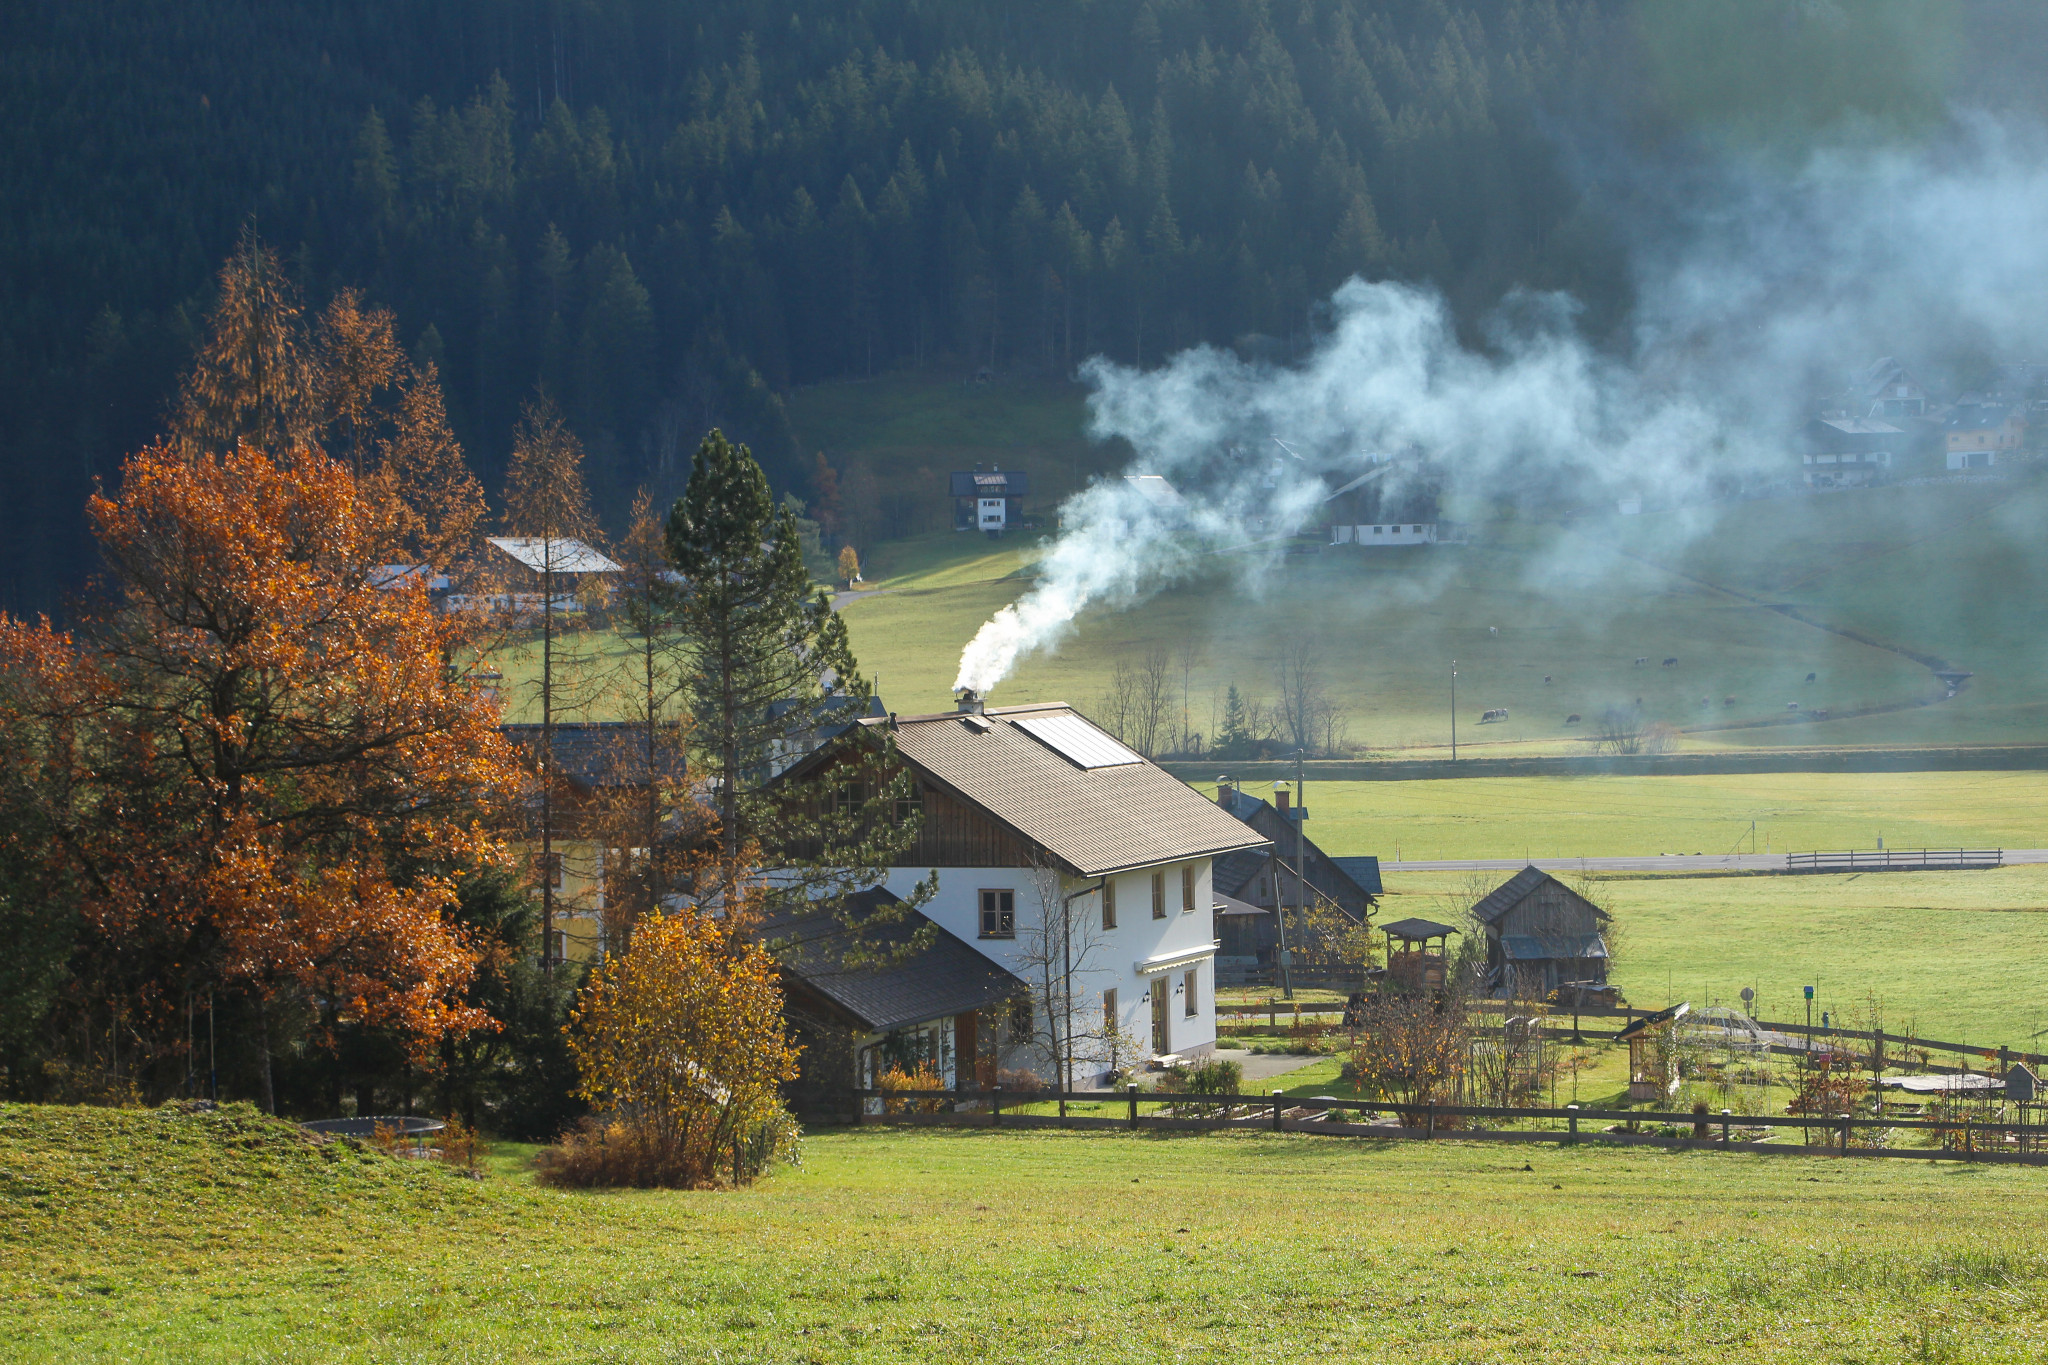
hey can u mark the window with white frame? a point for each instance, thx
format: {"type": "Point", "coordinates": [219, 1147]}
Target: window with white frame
{"type": "Point", "coordinates": [1109, 903]}
{"type": "Point", "coordinates": [1191, 998]}
{"type": "Point", "coordinates": [1109, 1011]}
{"type": "Point", "coordinates": [1158, 895]}
{"type": "Point", "coordinates": [1187, 889]}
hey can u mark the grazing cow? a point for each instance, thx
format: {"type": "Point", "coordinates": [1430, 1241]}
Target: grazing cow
{"type": "Point", "coordinates": [1727, 701]}
{"type": "Point", "coordinates": [1821, 714]}
{"type": "Point", "coordinates": [1493, 630]}
{"type": "Point", "coordinates": [1809, 677]}
{"type": "Point", "coordinates": [1791, 706]}
{"type": "Point", "coordinates": [1642, 659]}
{"type": "Point", "coordinates": [1497, 713]}
{"type": "Point", "coordinates": [1572, 719]}
{"type": "Point", "coordinates": [1546, 680]}
{"type": "Point", "coordinates": [1671, 663]}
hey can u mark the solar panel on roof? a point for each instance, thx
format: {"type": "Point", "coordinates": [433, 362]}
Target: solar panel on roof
{"type": "Point", "coordinates": [1076, 741]}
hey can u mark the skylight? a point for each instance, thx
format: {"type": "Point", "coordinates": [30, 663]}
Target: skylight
{"type": "Point", "coordinates": [1076, 741]}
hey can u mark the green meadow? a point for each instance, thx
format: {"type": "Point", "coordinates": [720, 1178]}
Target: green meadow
{"type": "Point", "coordinates": [132, 1235]}
{"type": "Point", "coordinates": [1607, 816]}
{"type": "Point", "coordinates": [1957, 956]}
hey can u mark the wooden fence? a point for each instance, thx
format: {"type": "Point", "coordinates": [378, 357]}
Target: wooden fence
{"type": "Point", "coordinates": [1284, 1013]}
{"type": "Point", "coordinates": [1894, 860]}
{"type": "Point", "coordinates": [1962, 1139]}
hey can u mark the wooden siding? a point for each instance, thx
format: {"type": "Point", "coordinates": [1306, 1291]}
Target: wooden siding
{"type": "Point", "coordinates": [955, 834]}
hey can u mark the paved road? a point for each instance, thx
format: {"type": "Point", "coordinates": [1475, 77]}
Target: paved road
{"type": "Point", "coordinates": [1666, 862]}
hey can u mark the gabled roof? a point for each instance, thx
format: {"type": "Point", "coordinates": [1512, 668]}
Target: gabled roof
{"type": "Point", "coordinates": [1092, 820]}
{"type": "Point", "coordinates": [1238, 871]}
{"type": "Point", "coordinates": [993, 483]}
{"type": "Point", "coordinates": [1365, 871]}
{"type": "Point", "coordinates": [591, 753]}
{"type": "Point", "coordinates": [563, 554]}
{"type": "Point", "coordinates": [945, 977]}
{"type": "Point", "coordinates": [1518, 888]}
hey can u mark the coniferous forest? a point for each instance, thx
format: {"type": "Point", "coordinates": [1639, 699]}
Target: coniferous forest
{"type": "Point", "coordinates": [665, 215]}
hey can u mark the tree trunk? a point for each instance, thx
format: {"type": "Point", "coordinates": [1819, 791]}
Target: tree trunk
{"type": "Point", "coordinates": [263, 1040]}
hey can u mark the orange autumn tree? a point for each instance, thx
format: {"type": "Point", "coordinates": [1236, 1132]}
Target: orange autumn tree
{"type": "Point", "coordinates": [230, 762]}
{"type": "Point", "coordinates": [682, 1052]}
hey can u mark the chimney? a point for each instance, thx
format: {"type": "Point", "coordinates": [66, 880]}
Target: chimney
{"type": "Point", "coordinates": [970, 702]}
{"type": "Point", "coordinates": [1281, 793]}
{"type": "Point", "coordinates": [1226, 787]}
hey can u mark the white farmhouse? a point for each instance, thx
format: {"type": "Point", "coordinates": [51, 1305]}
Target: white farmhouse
{"type": "Point", "coordinates": [1031, 814]}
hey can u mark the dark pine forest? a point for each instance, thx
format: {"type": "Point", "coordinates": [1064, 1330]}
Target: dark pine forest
{"type": "Point", "coordinates": [668, 214]}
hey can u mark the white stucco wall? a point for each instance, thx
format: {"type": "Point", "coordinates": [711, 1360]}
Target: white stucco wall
{"type": "Point", "coordinates": [1112, 958]}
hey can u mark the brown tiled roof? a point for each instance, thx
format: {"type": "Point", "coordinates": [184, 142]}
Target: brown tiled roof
{"type": "Point", "coordinates": [1095, 820]}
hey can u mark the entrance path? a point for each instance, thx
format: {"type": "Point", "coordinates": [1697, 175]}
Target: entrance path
{"type": "Point", "coordinates": [1265, 1066]}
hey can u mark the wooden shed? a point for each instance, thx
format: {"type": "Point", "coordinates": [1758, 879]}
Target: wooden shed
{"type": "Point", "coordinates": [1541, 935]}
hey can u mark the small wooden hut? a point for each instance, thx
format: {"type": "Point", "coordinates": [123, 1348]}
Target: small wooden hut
{"type": "Point", "coordinates": [1412, 963]}
{"type": "Point", "coordinates": [1540, 936]}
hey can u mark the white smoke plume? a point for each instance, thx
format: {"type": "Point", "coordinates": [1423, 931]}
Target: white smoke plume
{"type": "Point", "coordinates": [1766, 288]}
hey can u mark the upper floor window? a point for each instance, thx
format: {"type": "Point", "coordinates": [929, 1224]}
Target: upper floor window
{"type": "Point", "coordinates": [1187, 889]}
{"type": "Point", "coordinates": [911, 806]}
{"type": "Point", "coordinates": [1158, 895]}
{"type": "Point", "coordinates": [849, 797]}
{"type": "Point", "coordinates": [1108, 903]}
{"type": "Point", "coordinates": [999, 914]}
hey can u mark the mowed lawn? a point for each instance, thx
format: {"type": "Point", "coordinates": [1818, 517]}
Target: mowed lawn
{"type": "Point", "coordinates": [135, 1236]}
{"type": "Point", "coordinates": [1957, 956]}
{"type": "Point", "coordinates": [1593, 817]}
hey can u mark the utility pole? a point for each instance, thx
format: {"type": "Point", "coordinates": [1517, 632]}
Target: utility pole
{"type": "Point", "coordinates": [1300, 842]}
{"type": "Point", "coordinates": [1454, 710]}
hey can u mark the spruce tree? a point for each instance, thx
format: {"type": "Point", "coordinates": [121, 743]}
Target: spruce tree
{"type": "Point", "coordinates": [770, 666]}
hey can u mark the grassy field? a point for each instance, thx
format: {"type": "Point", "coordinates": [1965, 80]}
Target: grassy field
{"type": "Point", "coordinates": [1569, 817]}
{"type": "Point", "coordinates": [1959, 956]}
{"type": "Point", "coordinates": [138, 1236]}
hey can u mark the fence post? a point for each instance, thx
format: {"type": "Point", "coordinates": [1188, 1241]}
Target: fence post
{"type": "Point", "coordinates": [995, 1107]}
{"type": "Point", "coordinates": [1276, 1111]}
{"type": "Point", "coordinates": [1272, 1014]}
{"type": "Point", "coordinates": [1571, 1122]}
{"type": "Point", "coordinates": [1724, 1126]}
{"type": "Point", "coordinates": [1132, 1091]}
{"type": "Point", "coordinates": [1430, 1131]}
{"type": "Point", "coordinates": [1844, 1149]}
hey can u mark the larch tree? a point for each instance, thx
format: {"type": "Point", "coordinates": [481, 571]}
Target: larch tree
{"type": "Point", "coordinates": [254, 377]}
{"type": "Point", "coordinates": [653, 831]}
{"type": "Point", "coordinates": [548, 505]}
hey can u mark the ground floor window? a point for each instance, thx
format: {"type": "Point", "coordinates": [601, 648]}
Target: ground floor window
{"type": "Point", "coordinates": [1191, 1004]}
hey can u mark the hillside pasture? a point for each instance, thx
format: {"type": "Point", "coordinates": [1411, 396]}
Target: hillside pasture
{"type": "Point", "coordinates": [1387, 625]}
{"type": "Point", "coordinates": [149, 1236]}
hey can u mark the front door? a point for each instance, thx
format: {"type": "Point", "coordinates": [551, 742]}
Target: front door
{"type": "Point", "coordinates": [1160, 1002]}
